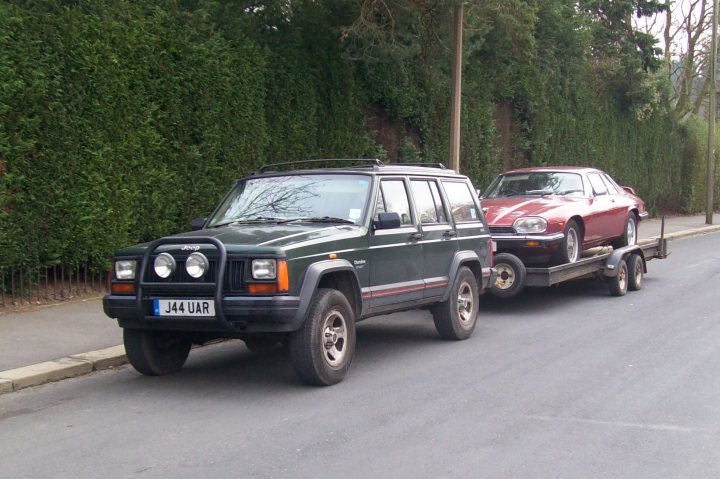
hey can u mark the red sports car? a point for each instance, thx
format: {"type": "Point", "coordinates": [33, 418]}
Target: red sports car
{"type": "Point", "coordinates": [554, 213]}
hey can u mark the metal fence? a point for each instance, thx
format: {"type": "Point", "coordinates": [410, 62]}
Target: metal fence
{"type": "Point", "coordinates": [48, 284]}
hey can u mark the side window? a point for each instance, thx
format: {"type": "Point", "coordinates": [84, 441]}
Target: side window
{"type": "Point", "coordinates": [597, 183]}
{"type": "Point", "coordinates": [427, 202]}
{"type": "Point", "coordinates": [438, 203]}
{"type": "Point", "coordinates": [610, 185]}
{"type": "Point", "coordinates": [462, 206]}
{"type": "Point", "coordinates": [393, 197]}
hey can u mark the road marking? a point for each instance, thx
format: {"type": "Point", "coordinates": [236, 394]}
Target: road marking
{"type": "Point", "coordinates": [634, 425]}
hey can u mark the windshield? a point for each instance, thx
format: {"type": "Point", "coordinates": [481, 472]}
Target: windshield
{"type": "Point", "coordinates": [536, 183]}
{"type": "Point", "coordinates": [339, 198]}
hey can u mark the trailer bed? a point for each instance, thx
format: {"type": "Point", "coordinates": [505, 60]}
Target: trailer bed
{"type": "Point", "coordinates": [593, 265]}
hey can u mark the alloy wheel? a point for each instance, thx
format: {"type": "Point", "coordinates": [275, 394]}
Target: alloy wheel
{"type": "Point", "coordinates": [334, 333]}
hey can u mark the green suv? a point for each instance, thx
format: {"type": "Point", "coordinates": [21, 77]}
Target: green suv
{"type": "Point", "coordinates": [297, 257]}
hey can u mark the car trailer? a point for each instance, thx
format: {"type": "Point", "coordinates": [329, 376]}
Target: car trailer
{"type": "Point", "coordinates": [623, 267]}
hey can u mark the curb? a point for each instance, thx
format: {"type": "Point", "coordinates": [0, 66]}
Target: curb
{"type": "Point", "coordinates": [692, 232]}
{"type": "Point", "coordinates": [108, 358]}
{"type": "Point", "coordinates": [63, 368]}
{"type": "Point", "coordinates": [699, 231]}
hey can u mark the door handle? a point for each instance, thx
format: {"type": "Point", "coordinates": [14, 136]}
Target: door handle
{"type": "Point", "coordinates": [450, 233]}
{"type": "Point", "coordinates": [416, 236]}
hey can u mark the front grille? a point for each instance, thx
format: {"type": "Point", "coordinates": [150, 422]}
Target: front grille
{"type": "Point", "coordinates": [232, 282]}
{"type": "Point", "coordinates": [503, 230]}
{"type": "Point", "coordinates": [234, 276]}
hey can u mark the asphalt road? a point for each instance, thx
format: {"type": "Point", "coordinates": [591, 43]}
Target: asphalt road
{"type": "Point", "coordinates": [559, 383]}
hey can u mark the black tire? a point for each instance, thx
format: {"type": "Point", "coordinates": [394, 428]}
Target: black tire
{"type": "Point", "coordinates": [619, 283]}
{"type": "Point", "coordinates": [630, 234]}
{"type": "Point", "coordinates": [156, 353]}
{"type": "Point", "coordinates": [511, 274]}
{"type": "Point", "coordinates": [323, 348]}
{"type": "Point", "coordinates": [570, 249]}
{"type": "Point", "coordinates": [636, 270]}
{"type": "Point", "coordinates": [456, 318]}
{"type": "Point", "coordinates": [262, 344]}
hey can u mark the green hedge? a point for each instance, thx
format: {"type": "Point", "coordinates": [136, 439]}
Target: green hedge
{"type": "Point", "coordinates": [121, 120]}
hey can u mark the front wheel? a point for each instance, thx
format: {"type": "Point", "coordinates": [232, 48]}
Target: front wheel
{"type": "Point", "coordinates": [323, 347]}
{"type": "Point", "coordinates": [456, 318]}
{"type": "Point", "coordinates": [571, 247]}
{"type": "Point", "coordinates": [511, 275]}
{"type": "Point", "coordinates": [156, 353]}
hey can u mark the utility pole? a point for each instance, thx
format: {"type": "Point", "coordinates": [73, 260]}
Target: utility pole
{"type": "Point", "coordinates": [711, 121]}
{"type": "Point", "coordinates": [456, 88]}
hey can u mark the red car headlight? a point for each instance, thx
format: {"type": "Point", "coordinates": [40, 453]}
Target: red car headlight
{"type": "Point", "coordinates": [531, 224]}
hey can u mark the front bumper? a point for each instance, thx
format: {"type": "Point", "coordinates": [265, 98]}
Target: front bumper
{"type": "Point", "coordinates": [267, 314]}
{"type": "Point", "coordinates": [517, 241]}
{"type": "Point", "coordinates": [233, 313]}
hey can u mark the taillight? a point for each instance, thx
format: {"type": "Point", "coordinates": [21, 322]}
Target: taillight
{"type": "Point", "coordinates": [491, 250]}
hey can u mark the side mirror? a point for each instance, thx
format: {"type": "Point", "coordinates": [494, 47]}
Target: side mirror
{"type": "Point", "coordinates": [478, 192]}
{"type": "Point", "coordinates": [197, 224]}
{"type": "Point", "coordinates": [387, 221]}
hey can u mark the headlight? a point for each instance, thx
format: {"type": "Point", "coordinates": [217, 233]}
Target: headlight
{"type": "Point", "coordinates": [164, 265]}
{"type": "Point", "coordinates": [197, 265]}
{"type": "Point", "coordinates": [125, 269]}
{"type": "Point", "coordinates": [264, 269]}
{"type": "Point", "coordinates": [530, 225]}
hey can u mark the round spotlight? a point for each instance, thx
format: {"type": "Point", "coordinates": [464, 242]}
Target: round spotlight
{"type": "Point", "coordinates": [196, 265]}
{"type": "Point", "coordinates": [164, 265]}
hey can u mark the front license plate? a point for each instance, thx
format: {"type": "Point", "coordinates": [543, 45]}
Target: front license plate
{"type": "Point", "coordinates": [184, 307]}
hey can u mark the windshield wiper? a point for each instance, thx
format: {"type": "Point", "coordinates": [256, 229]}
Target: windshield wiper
{"type": "Point", "coordinates": [543, 192]}
{"type": "Point", "coordinates": [250, 221]}
{"type": "Point", "coordinates": [319, 219]}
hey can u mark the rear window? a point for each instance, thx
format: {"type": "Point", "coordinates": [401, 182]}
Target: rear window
{"type": "Point", "coordinates": [427, 202]}
{"type": "Point", "coordinates": [462, 205]}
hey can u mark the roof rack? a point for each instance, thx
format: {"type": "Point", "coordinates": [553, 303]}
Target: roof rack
{"type": "Point", "coordinates": [357, 161]}
{"type": "Point", "coordinates": [426, 165]}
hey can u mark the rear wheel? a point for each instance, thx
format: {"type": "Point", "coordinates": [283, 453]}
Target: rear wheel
{"type": "Point", "coordinates": [511, 275]}
{"type": "Point", "coordinates": [156, 353]}
{"type": "Point", "coordinates": [571, 247]}
{"type": "Point", "coordinates": [619, 283]}
{"type": "Point", "coordinates": [630, 235]}
{"type": "Point", "coordinates": [456, 318]}
{"type": "Point", "coordinates": [635, 272]}
{"type": "Point", "coordinates": [323, 347]}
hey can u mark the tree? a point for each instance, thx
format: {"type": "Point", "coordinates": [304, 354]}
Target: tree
{"type": "Point", "coordinates": [684, 28]}
{"type": "Point", "coordinates": [621, 54]}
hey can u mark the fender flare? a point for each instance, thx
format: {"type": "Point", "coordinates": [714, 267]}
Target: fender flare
{"type": "Point", "coordinates": [611, 265]}
{"type": "Point", "coordinates": [460, 258]}
{"type": "Point", "coordinates": [311, 280]}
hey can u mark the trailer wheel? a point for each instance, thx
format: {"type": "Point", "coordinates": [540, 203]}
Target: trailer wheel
{"type": "Point", "coordinates": [511, 275]}
{"type": "Point", "coordinates": [619, 283]}
{"type": "Point", "coordinates": [635, 272]}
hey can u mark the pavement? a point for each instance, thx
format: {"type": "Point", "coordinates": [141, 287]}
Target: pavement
{"type": "Point", "coordinates": [74, 338]}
